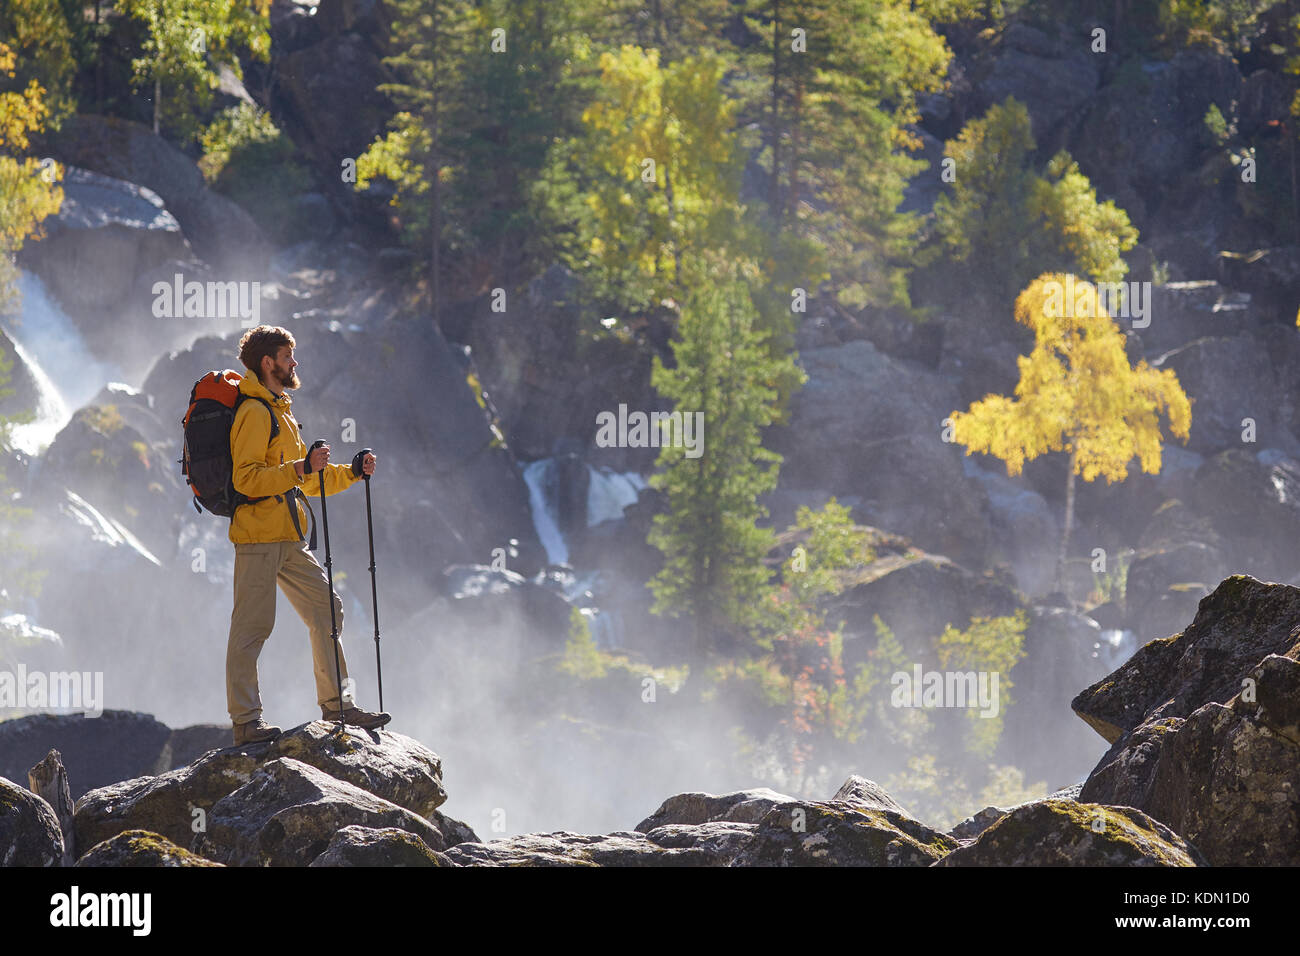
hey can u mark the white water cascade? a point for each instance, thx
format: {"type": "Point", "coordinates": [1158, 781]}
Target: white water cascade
{"type": "Point", "coordinates": [52, 349]}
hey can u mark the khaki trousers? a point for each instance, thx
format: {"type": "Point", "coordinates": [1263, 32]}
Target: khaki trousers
{"type": "Point", "coordinates": [258, 568]}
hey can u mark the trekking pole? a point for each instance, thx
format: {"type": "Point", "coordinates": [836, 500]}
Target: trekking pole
{"type": "Point", "coordinates": [374, 593]}
{"type": "Point", "coordinates": [329, 573]}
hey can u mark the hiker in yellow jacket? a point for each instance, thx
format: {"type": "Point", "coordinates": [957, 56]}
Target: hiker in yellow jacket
{"type": "Point", "coordinates": [270, 547]}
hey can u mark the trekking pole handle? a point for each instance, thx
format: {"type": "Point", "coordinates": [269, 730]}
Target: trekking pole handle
{"type": "Point", "coordinates": [318, 443]}
{"type": "Point", "coordinates": [357, 459]}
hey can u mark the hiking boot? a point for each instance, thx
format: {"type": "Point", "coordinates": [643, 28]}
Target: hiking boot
{"type": "Point", "coordinates": [255, 732]}
{"type": "Point", "coordinates": [356, 717]}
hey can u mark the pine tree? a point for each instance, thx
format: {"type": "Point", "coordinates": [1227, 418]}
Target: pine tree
{"type": "Point", "coordinates": [1077, 394]}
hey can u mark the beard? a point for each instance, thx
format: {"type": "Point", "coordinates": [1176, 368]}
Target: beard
{"type": "Point", "coordinates": [288, 379]}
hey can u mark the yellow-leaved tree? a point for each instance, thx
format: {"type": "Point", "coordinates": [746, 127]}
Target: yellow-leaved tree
{"type": "Point", "coordinates": [1077, 394]}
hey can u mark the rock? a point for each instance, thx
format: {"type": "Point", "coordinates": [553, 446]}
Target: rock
{"type": "Point", "coordinates": [106, 232]}
{"type": "Point", "coordinates": [389, 765]}
{"type": "Point", "coordinates": [482, 598]}
{"type": "Point", "coordinates": [1024, 526]}
{"type": "Point", "coordinates": [892, 456]}
{"type": "Point", "coordinates": [1236, 627]}
{"type": "Point", "coordinates": [545, 381]}
{"type": "Point", "coordinates": [219, 231]}
{"type": "Point", "coordinates": [188, 744]}
{"type": "Point", "coordinates": [1181, 313]}
{"type": "Point", "coordinates": [49, 781]}
{"type": "Point", "coordinates": [1251, 502]}
{"type": "Point", "coordinates": [1229, 378]}
{"type": "Point", "coordinates": [968, 829]}
{"type": "Point", "coordinates": [690, 809]}
{"type": "Point", "coordinates": [140, 848]}
{"type": "Point", "coordinates": [917, 595]}
{"type": "Point", "coordinates": [866, 794]}
{"type": "Point", "coordinates": [1053, 82]}
{"type": "Point", "coordinates": [115, 746]}
{"type": "Point", "coordinates": [1065, 833]}
{"type": "Point", "coordinates": [801, 833]}
{"type": "Point", "coordinates": [1216, 755]}
{"type": "Point", "coordinates": [166, 804]}
{"type": "Point", "coordinates": [453, 831]}
{"type": "Point", "coordinates": [721, 841]}
{"type": "Point", "coordinates": [1178, 557]}
{"type": "Point", "coordinates": [287, 813]}
{"type": "Point", "coordinates": [29, 830]}
{"type": "Point", "coordinates": [388, 846]}
{"type": "Point", "coordinates": [562, 848]}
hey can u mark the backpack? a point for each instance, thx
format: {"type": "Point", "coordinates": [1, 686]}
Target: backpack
{"type": "Point", "coordinates": [206, 462]}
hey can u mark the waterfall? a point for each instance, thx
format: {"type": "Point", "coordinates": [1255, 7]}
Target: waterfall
{"type": "Point", "coordinates": [540, 478]}
{"type": "Point", "coordinates": [54, 352]}
{"type": "Point", "coordinates": [609, 493]}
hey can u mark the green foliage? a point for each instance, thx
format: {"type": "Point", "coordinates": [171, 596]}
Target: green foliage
{"type": "Point", "coordinates": [1006, 223]}
{"type": "Point", "coordinates": [185, 45]}
{"type": "Point", "coordinates": [39, 34]}
{"type": "Point", "coordinates": [582, 659]}
{"type": "Point", "coordinates": [713, 572]}
{"type": "Point", "coordinates": [29, 193]}
{"type": "Point", "coordinates": [835, 127]}
{"type": "Point", "coordinates": [246, 157]}
{"type": "Point", "coordinates": [990, 645]}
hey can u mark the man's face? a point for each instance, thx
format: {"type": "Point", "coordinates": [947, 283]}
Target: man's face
{"type": "Point", "coordinates": [283, 370]}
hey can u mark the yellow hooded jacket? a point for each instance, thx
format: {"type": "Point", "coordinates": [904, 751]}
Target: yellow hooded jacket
{"type": "Point", "coordinates": [264, 468]}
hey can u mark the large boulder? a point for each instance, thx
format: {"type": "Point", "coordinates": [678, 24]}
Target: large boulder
{"type": "Point", "coordinates": [98, 751]}
{"type": "Point", "coordinates": [1237, 626]}
{"type": "Point", "coordinates": [29, 830]}
{"type": "Point", "coordinates": [1066, 833]}
{"type": "Point", "coordinates": [1252, 501]}
{"type": "Point", "coordinates": [387, 846]}
{"type": "Point", "coordinates": [1205, 730]}
{"type": "Point", "coordinates": [106, 233]}
{"type": "Point", "coordinates": [386, 764]}
{"type": "Point", "coordinates": [692, 809]}
{"type": "Point", "coordinates": [288, 812]}
{"type": "Point", "coordinates": [835, 833]}
{"type": "Point", "coordinates": [140, 848]}
{"type": "Point", "coordinates": [1178, 559]}
{"type": "Point", "coordinates": [220, 232]}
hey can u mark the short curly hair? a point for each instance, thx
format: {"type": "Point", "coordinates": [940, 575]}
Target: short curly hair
{"type": "Point", "coordinates": [262, 341]}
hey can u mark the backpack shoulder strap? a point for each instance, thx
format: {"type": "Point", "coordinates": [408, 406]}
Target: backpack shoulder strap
{"type": "Point", "coordinates": [275, 422]}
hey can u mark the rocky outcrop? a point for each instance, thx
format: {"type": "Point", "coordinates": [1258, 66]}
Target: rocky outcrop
{"type": "Point", "coordinates": [141, 848]}
{"type": "Point", "coordinates": [1066, 833]}
{"type": "Point", "coordinates": [29, 830]}
{"type": "Point", "coordinates": [870, 426]}
{"type": "Point", "coordinates": [1204, 727]}
{"type": "Point", "coordinates": [288, 812]}
{"type": "Point", "coordinates": [388, 766]}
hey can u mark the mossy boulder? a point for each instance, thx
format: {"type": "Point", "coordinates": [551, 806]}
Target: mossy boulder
{"type": "Point", "coordinates": [739, 806]}
{"type": "Point", "coordinates": [833, 833]}
{"type": "Point", "coordinates": [562, 848]}
{"type": "Point", "coordinates": [386, 846]}
{"type": "Point", "coordinates": [29, 830]}
{"type": "Point", "coordinates": [141, 848]}
{"type": "Point", "coordinates": [1067, 833]}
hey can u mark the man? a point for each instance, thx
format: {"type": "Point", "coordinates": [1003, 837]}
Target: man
{"type": "Point", "coordinates": [269, 543]}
